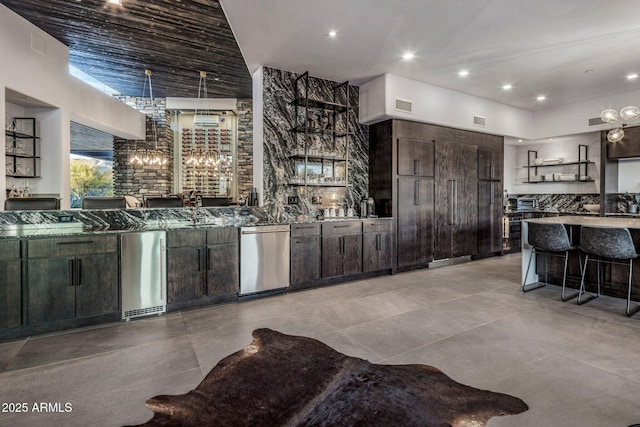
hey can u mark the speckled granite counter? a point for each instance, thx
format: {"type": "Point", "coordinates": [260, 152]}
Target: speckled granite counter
{"type": "Point", "coordinates": [46, 223]}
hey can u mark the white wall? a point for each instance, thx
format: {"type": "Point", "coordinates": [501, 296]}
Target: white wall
{"type": "Point", "coordinates": [436, 105]}
{"type": "Point", "coordinates": [37, 66]}
{"type": "Point", "coordinates": [629, 176]}
{"type": "Point", "coordinates": [565, 147]}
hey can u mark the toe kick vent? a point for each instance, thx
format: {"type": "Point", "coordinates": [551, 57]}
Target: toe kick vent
{"type": "Point", "coordinates": [480, 121]}
{"type": "Point", "coordinates": [404, 105]}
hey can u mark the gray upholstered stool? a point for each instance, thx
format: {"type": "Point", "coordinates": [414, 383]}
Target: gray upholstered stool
{"type": "Point", "coordinates": [608, 245]}
{"type": "Point", "coordinates": [549, 239]}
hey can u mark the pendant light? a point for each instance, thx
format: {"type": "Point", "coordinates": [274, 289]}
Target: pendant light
{"type": "Point", "coordinates": [148, 156]}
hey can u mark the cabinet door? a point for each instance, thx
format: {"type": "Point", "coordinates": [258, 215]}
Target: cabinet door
{"type": "Point", "coordinates": [351, 254]}
{"type": "Point", "coordinates": [376, 251]}
{"type": "Point", "coordinates": [305, 259]}
{"type": "Point", "coordinates": [51, 293]}
{"type": "Point", "coordinates": [223, 268]}
{"type": "Point", "coordinates": [185, 273]}
{"type": "Point", "coordinates": [456, 196]}
{"type": "Point", "coordinates": [489, 164]}
{"type": "Point", "coordinates": [415, 157]}
{"type": "Point", "coordinates": [331, 256]}
{"type": "Point", "coordinates": [489, 217]}
{"type": "Point", "coordinates": [415, 221]}
{"type": "Point", "coordinates": [96, 284]}
{"type": "Point", "coordinates": [10, 293]}
{"type": "Point", "coordinates": [465, 228]}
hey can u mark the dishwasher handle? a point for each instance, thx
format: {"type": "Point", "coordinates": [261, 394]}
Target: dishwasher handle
{"type": "Point", "coordinates": [267, 230]}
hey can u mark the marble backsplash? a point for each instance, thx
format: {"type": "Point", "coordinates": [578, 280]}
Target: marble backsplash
{"type": "Point", "coordinates": [562, 202]}
{"type": "Point", "coordinates": [280, 144]}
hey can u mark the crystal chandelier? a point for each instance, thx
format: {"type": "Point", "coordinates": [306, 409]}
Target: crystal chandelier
{"type": "Point", "coordinates": [148, 156]}
{"type": "Point", "coordinates": [627, 114]}
{"type": "Point", "coordinates": [203, 157]}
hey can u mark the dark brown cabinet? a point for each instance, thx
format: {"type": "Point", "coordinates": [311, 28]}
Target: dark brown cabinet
{"type": "Point", "coordinates": [490, 201]}
{"type": "Point", "coordinates": [489, 218]}
{"type": "Point", "coordinates": [305, 254]}
{"type": "Point", "coordinates": [376, 245]}
{"type": "Point", "coordinates": [456, 193]}
{"type": "Point", "coordinates": [401, 171]}
{"type": "Point", "coordinates": [341, 249]}
{"type": "Point", "coordinates": [201, 265]}
{"type": "Point", "coordinates": [10, 284]}
{"type": "Point", "coordinates": [628, 147]}
{"type": "Point", "coordinates": [81, 281]}
{"type": "Point", "coordinates": [415, 157]}
{"type": "Point", "coordinates": [222, 262]}
{"type": "Point", "coordinates": [490, 164]}
{"type": "Point", "coordinates": [414, 216]}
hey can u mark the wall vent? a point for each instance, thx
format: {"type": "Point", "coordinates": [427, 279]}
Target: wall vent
{"type": "Point", "coordinates": [404, 105]}
{"type": "Point", "coordinates": [479, 121]}
{"type": "Point", "coordinates": [596, 121]}
{"type": "Point", "coordinates": [37, 44]}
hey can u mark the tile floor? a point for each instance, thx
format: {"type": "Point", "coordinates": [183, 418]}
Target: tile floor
{"type": "Point", "coordinates": [574, 366]}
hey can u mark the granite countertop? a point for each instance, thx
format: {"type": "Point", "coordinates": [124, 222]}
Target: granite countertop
{"type": "Point", "coordinates": [42, 223]}
{"type": "Point", "coordinates": [590, 220]}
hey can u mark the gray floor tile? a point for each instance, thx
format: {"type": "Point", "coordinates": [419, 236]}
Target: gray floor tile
{"type": "Point", "coordinates": [573, 365]}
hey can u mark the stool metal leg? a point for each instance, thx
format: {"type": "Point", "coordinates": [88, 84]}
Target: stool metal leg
{"type": "Point", "coordinates": [631, 312]}
{"type": "Point", "coordinates": [527, 288]}
{"type": "Point", "coordinates": [582, 290]}
{"type": "Point", "coordinates": [564, 278]}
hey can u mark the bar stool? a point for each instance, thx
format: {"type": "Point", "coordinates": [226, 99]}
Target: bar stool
{"type": "Point", "coordinates": [609, 245]}
{"type": "Point", "coordinates": [549, 239]}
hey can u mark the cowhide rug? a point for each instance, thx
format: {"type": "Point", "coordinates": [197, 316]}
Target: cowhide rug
{"type": "Point", "coordinates": [284, 380]}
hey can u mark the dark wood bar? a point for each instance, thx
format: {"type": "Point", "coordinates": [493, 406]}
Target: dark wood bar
{"type": "Point", "coordinates": [614, 276]}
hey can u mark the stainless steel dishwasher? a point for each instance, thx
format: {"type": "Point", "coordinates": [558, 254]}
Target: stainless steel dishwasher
{"type": "Point", "coordinates": [143, 270]}
{"type": "Point", "coordinates": [264, 258]}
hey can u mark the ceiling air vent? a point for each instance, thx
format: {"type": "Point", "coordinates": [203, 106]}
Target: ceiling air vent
{"type": "Point", "coordinates": [479, 121]}
{"type": "Point", "coordinates": [404, 105]}
{"type": "Point", "coordinates": [596, 121]}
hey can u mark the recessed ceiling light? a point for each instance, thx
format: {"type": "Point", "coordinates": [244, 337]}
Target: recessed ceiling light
{"type": "Point", "coordinates": [118, 2]}
{"type": "Point", "coordinates": [463, 73]}
{"type": "Point", "coordinates": [632, 76]}
{"type": "Point", "coordinates": [541, 98]}
{"type": "Point", "coordinates": [519, 140]}
{"type": "Point", "coordinates": [408, 56]}
{"type": "Point", "coordinates": [507, 87]}
{"type": "Point", "coordinates": [332, 33]}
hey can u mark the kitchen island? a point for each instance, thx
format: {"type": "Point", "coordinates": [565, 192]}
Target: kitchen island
{"type": "Point", "coordinates": [615, 276]}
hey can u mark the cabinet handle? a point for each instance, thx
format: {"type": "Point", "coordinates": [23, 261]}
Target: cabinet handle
{"type": "Point", "coordinates": [416, 193]}
{"type": "Point", "coordinates": [79, 272]}
{"type": "Point", "coordinates": [162, 281]}
{"type": "Point", "coordinates": [72, 273]}
{"type": "Point", "coordinates": [305, 227]}
{"type": "Point", "coordinates": [342, 226]}
{"type": "Point", "coordinates": [491, 169]}
{"type": "Point", "coordinates": [77, 242]}
{"type": "Point", "coordinates": [451, 202]}
{"type": "Point", "coordinates": [492, 199]}
{"type": "Point", "coordinates": [378, 242]}
{"type": "Point", "coordinates": [208, 259]}
{"type": "Point", "coordinates": [199, 259]}
{"type": "Point", "coordinates": [305, 240]}
{"type": "Point", "coordinates": [416, 166]}
{"type": "Point", "coordinates": [455, 201]}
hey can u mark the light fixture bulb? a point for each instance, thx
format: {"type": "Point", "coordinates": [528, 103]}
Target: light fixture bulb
{"type": "Point", "coordinates": [615, 135]}
{"type": "Point", "coordinates": [632, 76]}
{"type": "Point", "coordinates": [333, 33]}
{"type": "Point", "coordinates": [463, 73]}
{"type": "Point", "coordinates": [408, 56]}
{"type": "Point", "coordinates": [541, 98]}
{"type": "Point", "coordinates": [507, 87]}
{"type": "Point", "coordinates": [629, 113]}
{"type": "Point", "coordinates": [609, 116]}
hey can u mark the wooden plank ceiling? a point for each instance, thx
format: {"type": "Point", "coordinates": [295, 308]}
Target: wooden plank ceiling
{"type": "Point", "coordinates": [176, 39]}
